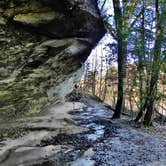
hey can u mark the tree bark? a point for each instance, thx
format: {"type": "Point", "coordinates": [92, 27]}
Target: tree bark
{"type": "Point", "coordinates": [122, 44]}
{"type": "Point", "coordinates": [155, 68]}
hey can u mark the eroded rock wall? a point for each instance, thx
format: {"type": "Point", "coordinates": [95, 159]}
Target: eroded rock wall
{"type": "Point", "coordinates": [43, 43]}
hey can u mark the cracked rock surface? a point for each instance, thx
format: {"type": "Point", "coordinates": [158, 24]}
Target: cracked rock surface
{"type": "Point", "coordinates": [43, 44]}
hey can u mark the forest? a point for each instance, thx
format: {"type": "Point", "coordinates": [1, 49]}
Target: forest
{"type": "Point", "coordinates": [128, 68]}
{"type": "Point", "coordinates": [82, 82]}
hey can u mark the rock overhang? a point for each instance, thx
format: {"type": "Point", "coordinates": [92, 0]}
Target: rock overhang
{"type": "Point", "coordinates": [43, 44]}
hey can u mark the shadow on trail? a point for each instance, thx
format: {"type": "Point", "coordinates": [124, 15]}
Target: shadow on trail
{"type": "Point", "coordinates": [106, 142]}
{"type": "Point", "coordinates": [94, 118]}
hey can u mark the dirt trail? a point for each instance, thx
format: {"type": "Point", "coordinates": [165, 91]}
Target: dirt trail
{"type": "Point", "coordinates": [75, 134]}
{"type": "Point", "coordinates": [118, 142]}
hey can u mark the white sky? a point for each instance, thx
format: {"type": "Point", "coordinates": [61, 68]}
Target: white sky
{"type": "Point", "coordinates": [99, 50]}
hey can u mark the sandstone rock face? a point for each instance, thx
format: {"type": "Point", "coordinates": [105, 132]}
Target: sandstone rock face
{"type": "Point", "coordinates": [43, 44]}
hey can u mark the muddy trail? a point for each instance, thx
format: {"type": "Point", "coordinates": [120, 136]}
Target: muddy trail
{"type": "Point", "coordinates": [85, 135]}
{"type": "Point", "coordinates": [82, 145]}
{"type": "Point", "coordinates": [107, 143]}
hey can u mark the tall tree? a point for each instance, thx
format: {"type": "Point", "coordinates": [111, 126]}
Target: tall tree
{"type": "Point", "coordinates": [141, 57]}
{"type": "Point", "coordinates": [155, 66]}
{"type": "Point", "coordinates": [121, 36]}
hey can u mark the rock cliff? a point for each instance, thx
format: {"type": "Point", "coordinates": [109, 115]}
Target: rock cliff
{"type": "Point", "coordinates": [43, 44]}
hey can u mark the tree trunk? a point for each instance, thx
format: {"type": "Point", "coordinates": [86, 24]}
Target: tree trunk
{"type": "Point", "coordinates": [141, 55]}
{"type": "Point", "coordinates": [155, 68]}
{"type": "Point", "coordinates": [122, 46]}
{"type": "Point", "coordinates": [121, 81]}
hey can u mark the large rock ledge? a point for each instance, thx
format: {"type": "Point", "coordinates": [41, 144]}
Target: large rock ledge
{"type": "Point", "coordinates": [43, 44]}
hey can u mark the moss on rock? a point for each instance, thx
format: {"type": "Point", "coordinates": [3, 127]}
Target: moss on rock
{"type": "Point", "coordinates": [38, 18]}
{"type": "Point", "coordinates": [42, 45]}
